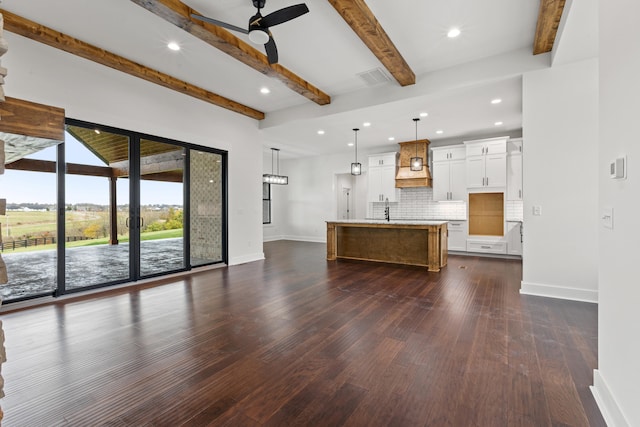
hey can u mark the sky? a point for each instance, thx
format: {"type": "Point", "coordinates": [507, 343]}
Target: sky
{"type": "Point", "coordinates": [39, 187]}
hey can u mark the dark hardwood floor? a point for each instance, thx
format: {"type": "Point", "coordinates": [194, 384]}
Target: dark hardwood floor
{"type": "Point", "coordinates": [296, 340]}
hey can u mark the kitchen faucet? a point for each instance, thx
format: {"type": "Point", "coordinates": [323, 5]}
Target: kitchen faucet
{"type": "Point", "coordinates": [386, 209]}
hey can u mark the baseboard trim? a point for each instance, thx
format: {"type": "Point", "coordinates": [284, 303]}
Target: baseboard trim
{"type": "Point", "coordinates": [608, 407]}
{"type": "Point", "coordinates": [246, 258]}
{"type": "Point", "coordinates": [310, 239]}
{"type": "Point", "coordinates": [561, 292]}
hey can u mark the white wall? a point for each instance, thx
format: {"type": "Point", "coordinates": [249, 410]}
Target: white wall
{"type": "Point", "coordinates": [91, 92]}
{"type": "Point", "coordinates": [560, 174]}
{"type": "Point", "coordinates": [310, 198]}
{"type": "Point", "coordinates": [617, 380]}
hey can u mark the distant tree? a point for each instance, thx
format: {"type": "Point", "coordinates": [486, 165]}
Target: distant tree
{"type": "Point", "coordinates": [92, 231]}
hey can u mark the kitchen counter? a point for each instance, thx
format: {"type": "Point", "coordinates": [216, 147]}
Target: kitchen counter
{"type": "Point", "coordinates": [408, 242]}
{"type": "Point", "coordinates": [393, 221]}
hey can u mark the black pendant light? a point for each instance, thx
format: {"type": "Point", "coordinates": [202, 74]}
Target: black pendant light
{"type": "Point", "coordinates": [271, 178]}
{"type": "Point", "coordinates": [416, 162]}
{"type": "Point", "coordinates": [356, 168]}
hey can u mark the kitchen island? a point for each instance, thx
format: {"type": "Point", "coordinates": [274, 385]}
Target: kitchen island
{"type": "Point", "coordinates": [421, 243]}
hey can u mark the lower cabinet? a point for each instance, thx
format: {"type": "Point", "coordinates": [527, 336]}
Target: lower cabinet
{"type": "Point", "coordinates": [497, 246]}
{"type": "Point", "coordinates": [457, 235]}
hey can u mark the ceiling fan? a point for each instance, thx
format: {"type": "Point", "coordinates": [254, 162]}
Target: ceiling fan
{"type": "Point", "coordinates": [259, 25]}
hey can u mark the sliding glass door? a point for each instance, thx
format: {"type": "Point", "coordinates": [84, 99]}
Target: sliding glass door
{"type": "Point", "coordinates": [206, 196]}
{"type": "Point", "coordinates": [161, 207]}
{"type": "Point", "coordinates": [97, 247]}
{"type": "Point", "coordinates": [109, 206]}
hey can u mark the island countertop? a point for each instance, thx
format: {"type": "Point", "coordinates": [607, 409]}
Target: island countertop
{"type": "Point", "coordinates": [409, 242]}
{"type": "Point", "coordinates": [390, 222]}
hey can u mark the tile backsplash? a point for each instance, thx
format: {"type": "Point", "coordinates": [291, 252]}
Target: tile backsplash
{"type": "Point", "coordinates": [418, 203]}
{"type": "Point", "coordinates": [514, 210]}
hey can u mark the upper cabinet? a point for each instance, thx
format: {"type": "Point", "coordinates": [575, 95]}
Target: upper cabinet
{"type": "Point", "coordinates": [449, 173]}
{"type": "Point", "coordinates": [382, 178]}
{"type": "Point", "coordinates": [514, 169]}
{"type": "Point", "coordinates": [486, 163]}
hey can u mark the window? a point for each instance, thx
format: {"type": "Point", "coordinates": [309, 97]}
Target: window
{"type": "Point", "coordinates": [266, 203]}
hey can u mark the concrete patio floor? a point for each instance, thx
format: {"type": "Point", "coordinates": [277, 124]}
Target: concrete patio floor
{"type": "Point", "coordinates": [33, 273]}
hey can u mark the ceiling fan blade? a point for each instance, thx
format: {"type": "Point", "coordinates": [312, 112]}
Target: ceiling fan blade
{"type": "Point", "coordinates": [220, 23]}
{"type": "Point", "coordinates": [284, 15]}
{"type": "Point", "coordinates": [272, 50]}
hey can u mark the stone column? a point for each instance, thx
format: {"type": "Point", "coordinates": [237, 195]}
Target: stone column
{"type": "Point", "coordinates": [3, 270]}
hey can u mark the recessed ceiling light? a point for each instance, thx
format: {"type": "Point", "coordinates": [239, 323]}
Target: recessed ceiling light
{"type": "Point", "coordinates": [424, 114]}
{"type": "Point", "coordinates": [498, 123]}
{"type": "Point", "coordinates": [350, 144]}
{"type": "Point", "coordinates": [97, 131]}
{"type": "Point", "coordinates": [439, 132]}
{"type": "Point", "coordinates": [391, 138]}
{"type": "Point", "coordinates": [320, 132]}
{"type": "Point", "coordinates": [496, 101]}
{"type": "Point", "coordinates": [173, 46]}
{"type": "Point", "coordinates": [265, 90]}
{"type": "Point", "coordinates": [453, 33]}
{"type": "Point", "coordinates": [366, 124]}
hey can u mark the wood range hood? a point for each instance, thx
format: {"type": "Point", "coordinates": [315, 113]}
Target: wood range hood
{"type": "Point", "coordinates": [405, 177]}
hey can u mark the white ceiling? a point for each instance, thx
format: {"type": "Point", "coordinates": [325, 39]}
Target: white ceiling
{"type": "Point", "coordinates": [322, 49]}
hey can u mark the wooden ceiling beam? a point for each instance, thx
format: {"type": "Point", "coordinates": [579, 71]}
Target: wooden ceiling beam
{"type": "Point", "coordinates": [34, 31]}
{"type": "Point", "coordinates": [179, 14]}
{"type": "Point", "coordinates": [364, 23]}
{"type": "Point", "coordinates": [22, 117]}
{"type": "Point", "coordinates": [549, 15]}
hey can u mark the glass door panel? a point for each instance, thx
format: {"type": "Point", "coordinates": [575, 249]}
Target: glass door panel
{"type": "Point", "coordinates": [97, 247]}
{"type": "Point", "coordinates": [161, 207]}
{"type": "Point", "coordinates": [28, 227]}
{"type": "Point", "coordinates": [206, 200]}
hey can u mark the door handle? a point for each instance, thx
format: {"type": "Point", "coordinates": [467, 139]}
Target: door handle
{"type": "Point", "coordinates": [126, 222]}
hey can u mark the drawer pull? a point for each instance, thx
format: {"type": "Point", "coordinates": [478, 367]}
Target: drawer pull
{"type": "Point", "coordinates": [485, 247]}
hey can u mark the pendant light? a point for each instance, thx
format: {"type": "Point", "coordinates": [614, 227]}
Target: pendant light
{"type": "Point", "coordinates": [356, 168]}
{"type": "Point", "coordinates": [271, 178]}
{"type": "Point", "coordinates": [416, 162]}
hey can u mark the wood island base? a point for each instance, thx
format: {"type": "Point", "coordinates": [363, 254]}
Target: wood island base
{"type": "Point", "coordinates": [421, 243]}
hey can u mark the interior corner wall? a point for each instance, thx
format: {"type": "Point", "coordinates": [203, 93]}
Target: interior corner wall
{"type": "Point", "coordinates": [311, 194]}
{"type": "Point", "coordinates": [95, 93]}
{"type": "Point", "coordinates": [617, 380]}
{"type": "Point", "coordinates": [560, 116]}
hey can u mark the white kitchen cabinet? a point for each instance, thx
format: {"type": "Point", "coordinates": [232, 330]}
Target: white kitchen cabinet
{"type": "Point", "coordinates": [382, 178]}
{"type": "Point", "coordinates": [449, 173]}
{"type": "Point", "coordinates": [514, 170]}
{"type": "Point", "coordinates": [451, 152]}
{"type": "Point", "coordinates": [486, 163]}
{"type": "Point", "coordinates": [487, 245]}
{"type": "Point", "coordinates": [514, 237]}
{"type": "Point", "coordinates": [383, 159]}
{"type": "Point", "coordinates": [457, 240]}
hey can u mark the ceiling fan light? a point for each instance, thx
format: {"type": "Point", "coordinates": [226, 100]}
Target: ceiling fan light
{"type": "Point", "coordinates": [258, 36]}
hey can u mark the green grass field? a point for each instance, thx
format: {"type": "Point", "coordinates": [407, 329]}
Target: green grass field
{"type": "Point", "coordinates": [38, 224]}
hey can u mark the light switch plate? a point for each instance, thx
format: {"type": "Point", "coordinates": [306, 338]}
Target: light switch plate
{"type": "Point", "coordinates": [607, 218]}
{"type": "Point", "coordinates": [537, 210]}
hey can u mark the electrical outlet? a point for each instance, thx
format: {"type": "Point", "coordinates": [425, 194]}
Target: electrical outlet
{"type": "Point", "coordinates": [537, 210]}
